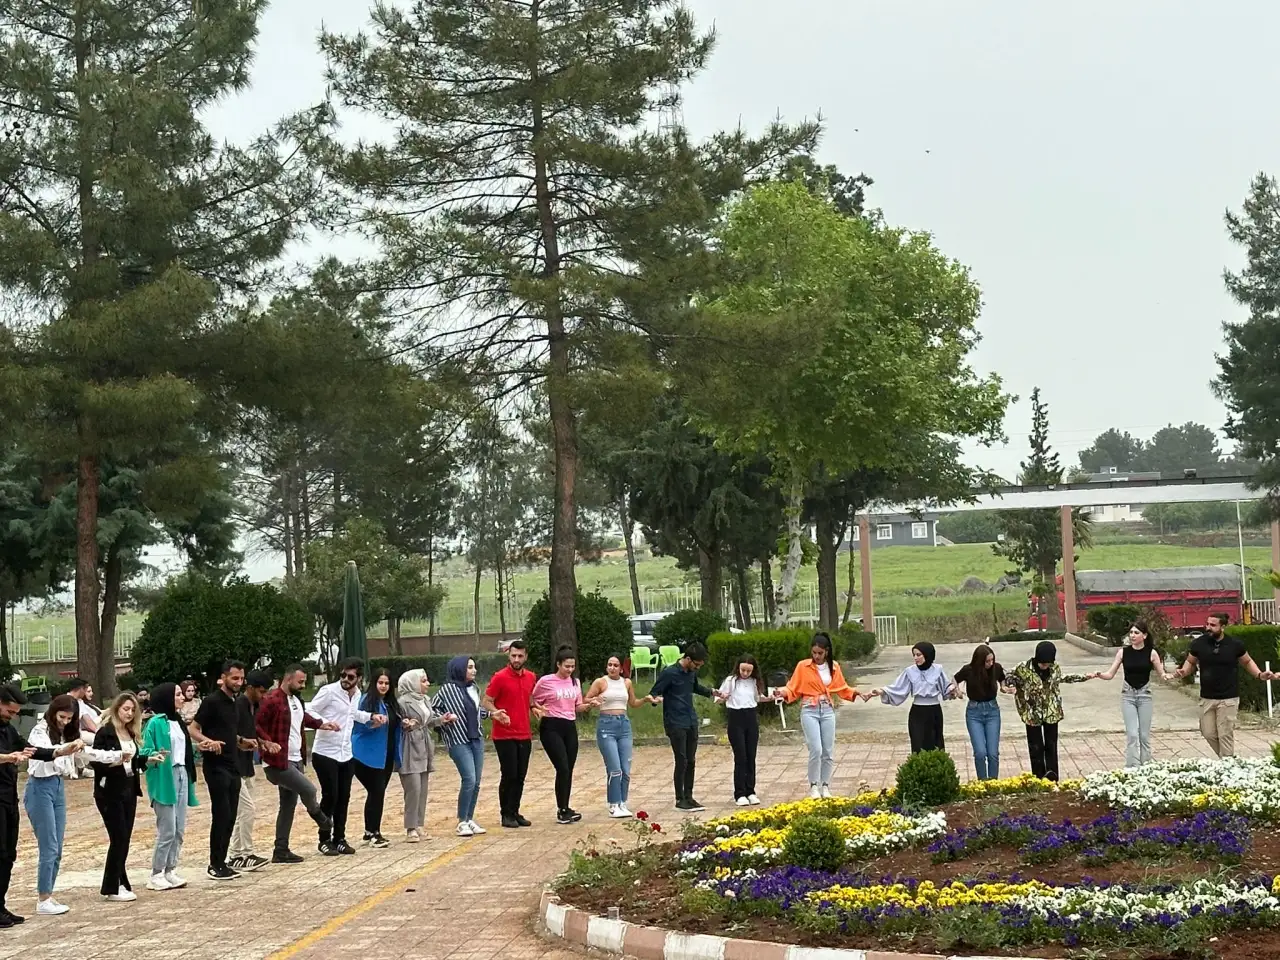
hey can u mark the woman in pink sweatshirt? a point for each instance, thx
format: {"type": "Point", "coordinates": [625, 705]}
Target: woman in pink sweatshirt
{"type": "Point", "coordinates": [557, 701]}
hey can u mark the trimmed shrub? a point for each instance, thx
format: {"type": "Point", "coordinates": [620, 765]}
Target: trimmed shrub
{"type": "Point", "coordinates": [928, 779]}
{"type": "Point", "coordinates": [1113, 621]}
{"type": "Point", "coordinates": [603, 631]}
{"type": "Point", "coordinates": [1262, 641]}
{"type": "Point", "coordinates": [776, 651]}
{"type": "Point", "coordinates": [686, 626]}
{"type": "Point", "coordinates": [1025, 635]}
{"type": "Point", "coordinates": [814, 843]}
{"type": "Point", "coordinates": [854, 643]}
{"type": "Point", "coordinates": [487, 664]}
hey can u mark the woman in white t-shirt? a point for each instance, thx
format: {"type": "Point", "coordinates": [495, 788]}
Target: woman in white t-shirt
{"type": "Point", "coordinates": [742, 693]}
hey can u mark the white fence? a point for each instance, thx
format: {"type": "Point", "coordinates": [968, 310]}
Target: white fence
{"type": "Point", "coordinates": [1263, 611]}
{"type": "Point", "coordinates": [59, 646]}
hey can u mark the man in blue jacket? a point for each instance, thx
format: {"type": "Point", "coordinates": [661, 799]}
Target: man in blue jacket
{"type": "Point", "coordinates": [675, 688]}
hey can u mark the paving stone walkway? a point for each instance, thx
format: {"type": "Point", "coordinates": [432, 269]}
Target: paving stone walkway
{"type": "Point", "coordinates": [447, 898]}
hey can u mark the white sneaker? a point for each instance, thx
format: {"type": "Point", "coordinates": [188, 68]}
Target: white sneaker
{"type": "Point", "coordinates": [476, 828]}
{"type": "Point", "coordinates": [826, 792]}
{"type": "Point", "coordinates": [411, 836]}
{"type": "Point", "coordinates": [122, 896]}
{"type": "Point", "coordinates": [619, 812]}
{"type": "Point", "coordinates": [753, 800]}
{"type": "Point", "coordinates": [622, 807]}
{"type": "Point", "coordinates": [815, 792]}
{"type": "Point", "coordinates": [175, 882]}
{"type": "Point", "coordinates": [158, 882]}
{"type": "Point", "coordinates": [742, 802]}
{"type": "Point", "coordinates": [51, 908]}
{"type": "Point", "coordinates": [464, 829]}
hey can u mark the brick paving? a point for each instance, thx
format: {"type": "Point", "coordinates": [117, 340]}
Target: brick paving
{"type": "Point", "coordinates": [446, 899]}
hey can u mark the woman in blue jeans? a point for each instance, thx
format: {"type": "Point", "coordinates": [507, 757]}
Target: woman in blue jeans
{"type": "Point", "coordinates": [613, 733]}
{"type": "Point", "coordinates": [458, 703]}
{"type": "Point", "coordinates": [983, 679]}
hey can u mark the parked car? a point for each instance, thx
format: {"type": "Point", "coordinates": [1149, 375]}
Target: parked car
{"type": "Point", "coordinates": [642, 625]}
{"type": "Point", "coordinates": [505, 645]}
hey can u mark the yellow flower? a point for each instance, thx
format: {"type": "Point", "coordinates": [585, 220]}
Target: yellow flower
{"type": "Point", "coordinates": [926, 894]}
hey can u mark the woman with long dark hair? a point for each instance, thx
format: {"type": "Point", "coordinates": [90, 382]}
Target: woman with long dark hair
{"type": "Point", "coordinates": [117, 787]}
{"type": "Point", "coordinates": [171, 783]}
{"type": "Point", "coordinates": [983, 678]}
{"type": "Point", "coordinates": [742, 692]}
{"type": "Point", "coordinates": [927, 685]}
{"type": "Point", "coordinates": [820, 684]}
{"type": "Point", "coordinates": [458, 702]}
{"type": "Point", "coordinates": [1138, 658]}
{"type": "Point", "coordinates": [417, 751]}
{"type": "Point", "coordinates": [557, 701]}
{"type": "Point", "coordinates": [374, 744]}
{"type": "Point", "coordinates": [45, 798]}
{"type": "Point", "coordinates": [613, 733]}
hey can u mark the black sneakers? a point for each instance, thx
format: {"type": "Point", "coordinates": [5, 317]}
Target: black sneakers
{"type": "Point", "coordinates": [564, 816]}
{"type": "Point", "coordinates": [222, 873]}
{"type": "Point", "coordinates": [522, 822]}
{"type": "Point", "coordinates": [327, 849]}
{"type": "Point", "coordinates": [511, 823]}
{"type": "Point", "coordinates": [247, 864]}
{"type": "Point", "coordinates": [344, 848]}
{"type": "Point", "coordinates": [285, 856]}
{"type": "Point", "coordinates": [689, 805]}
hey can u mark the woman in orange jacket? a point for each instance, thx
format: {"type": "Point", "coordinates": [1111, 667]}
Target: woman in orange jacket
{"type": "Point", "coordinates": [819, 683]}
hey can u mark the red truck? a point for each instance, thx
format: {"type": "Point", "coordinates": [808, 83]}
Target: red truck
{"type": "Point", "coordinates": [1185, 595]}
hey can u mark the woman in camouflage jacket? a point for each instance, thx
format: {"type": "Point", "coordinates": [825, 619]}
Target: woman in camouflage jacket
{"type": "Point", "coordinates": [1037, 684]}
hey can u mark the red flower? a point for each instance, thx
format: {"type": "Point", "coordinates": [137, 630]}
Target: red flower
{"type": "Point", "coordinates": [641, 815]}
{"type": "Point", "coordinates": [655, 827]}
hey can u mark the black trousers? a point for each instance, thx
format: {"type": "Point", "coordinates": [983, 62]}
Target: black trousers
{"type": "Point", "coordinates": [117, 816]}
{"type": "Point", "coordinates": [375, 783]}
{"type": "Point", "coordinates": [559, 738]}
{"type": "Point", "coordinates": [684, 746]}
{"type": "Point", "coordinates": [513, 760]}
{"type": "Point", "coordinates": [924, 726]}
{"type": "Point", "coordinates": [223, 781]}
{"type": "Point", "coordinates": [1042, 744]}
{"type": "Point", "coordinates": [335, 792]}
{"type": "Point", "coordinates": [8, 842]}
{"type": "Point", "coordinates": [744, 737]}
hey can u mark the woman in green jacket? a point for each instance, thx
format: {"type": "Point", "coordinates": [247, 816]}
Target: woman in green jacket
{"type": "Point", "coordinates": [171, 784]}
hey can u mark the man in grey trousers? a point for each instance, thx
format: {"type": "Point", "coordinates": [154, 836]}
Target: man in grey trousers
{"type": "Point", "coordinates": [281, 719]}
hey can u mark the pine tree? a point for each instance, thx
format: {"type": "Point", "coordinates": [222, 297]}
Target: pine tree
{"type": "Point", "coordinates": [1033, 538]}
{"type": "Point", "coordinates": [521, 204]}
{"type": "Point", "coordinates": [125, 229]}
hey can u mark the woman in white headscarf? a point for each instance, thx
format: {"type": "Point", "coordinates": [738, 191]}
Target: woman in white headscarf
{"type": "Point", "coordinates": [416, 749]}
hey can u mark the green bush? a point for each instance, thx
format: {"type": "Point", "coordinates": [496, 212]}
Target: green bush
{"type": "Point", "coordinates": [198, 624]}
{"type": "Point", "coordinates": [855, 643]}
{"type": "Point", "coordinates": [487, 664]}
{"type": "Point", "coordinates": [1113, 621]}
{"type": "Point", "coordinates": [1275, 754]}
{"type": "Point", "coordinates": [928, 779]}
{"type": "Point", "coordinates": [776, 651]}
{"type": "Point", "coordinates": [603, 631]}
{"type": "Point", "coordinates": [1262, 642]}
{"type": "Point", "coordinates": [1021, 636]}
{"type": "Point", "coordinates": [814, 843]}
{"type": "Point", "coordinates": [685, 626]}
{"type": "Point", "coordinates": [127, 681]}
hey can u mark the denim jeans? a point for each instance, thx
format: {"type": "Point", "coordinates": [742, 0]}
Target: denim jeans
{"type": "Point", "coordinates": [613, 737]}
{"type": "Point", "coordinates": [982, 717]}
{"type": "Point", "coordinates": [1135, 707]}
{"type": "Point", "coordinates": [469, 759]}
{"type": "Point", "coordinates": [171, 825]}
{"type": "Point", "coordinates": [46, 804]}
{"type": "Point", "coordinates": [819, 726]}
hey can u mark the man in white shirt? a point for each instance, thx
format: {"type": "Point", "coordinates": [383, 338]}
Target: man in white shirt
{"type": "Point", "coordinates": [338, 704]}
{"type": "Point", "coordinates": [82, 691]}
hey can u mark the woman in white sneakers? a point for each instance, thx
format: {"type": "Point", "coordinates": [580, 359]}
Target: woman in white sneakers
{"type": "Point", "coordinates": [171, 784]}
{"type": "Point", "coordinates": [45, 799]}
{"type": "Point", "coordinates": [417, 749]}
{"type": "Point", "coordinates": [458, 702]}
{"type": "Point", "coordinates": [615, 695]}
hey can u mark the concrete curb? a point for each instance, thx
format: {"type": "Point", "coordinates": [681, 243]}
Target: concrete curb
{"type": "Point", "coordinates": [654, 943]}
{"type": "Point", "coordinates": [1090, 646]}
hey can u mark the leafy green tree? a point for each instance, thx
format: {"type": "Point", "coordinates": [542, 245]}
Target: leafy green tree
{"type": "Point", "coordinates": [1111, 448]}
{"type": "Point", "coordinates": [1171, 450]}
{"type": "Point", "coordinates": [1033, 538]}
{"type": "Point", "coordinates": [522, 191]}
{"type": "Point", "coordinates": [848, 335]}
{"type": "Point", "coordinates": [970, 526]}
{"type": "Point", "coordinates": [128, 230]}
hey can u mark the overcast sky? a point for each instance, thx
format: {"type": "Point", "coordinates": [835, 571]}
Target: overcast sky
{"type": "Point", "coordinates": [1078, 158]}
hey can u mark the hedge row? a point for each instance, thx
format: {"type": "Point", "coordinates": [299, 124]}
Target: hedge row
{"type": "Point", "coordinates": [1263, 644]}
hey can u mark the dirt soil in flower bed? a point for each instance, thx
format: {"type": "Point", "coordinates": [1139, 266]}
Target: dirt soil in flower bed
{"type": "Point", "coordinates": [657, 900]}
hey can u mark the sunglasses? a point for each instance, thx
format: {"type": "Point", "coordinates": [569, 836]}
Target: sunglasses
{"type": "Point", "coordinates": [351, 676]}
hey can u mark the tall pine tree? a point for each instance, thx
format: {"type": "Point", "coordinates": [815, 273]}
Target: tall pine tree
{"type": "Point", "coordinates": [125, 229]}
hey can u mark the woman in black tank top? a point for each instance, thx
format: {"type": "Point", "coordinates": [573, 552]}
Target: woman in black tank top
{"type": "Point", "coordinates": [1138, 658]}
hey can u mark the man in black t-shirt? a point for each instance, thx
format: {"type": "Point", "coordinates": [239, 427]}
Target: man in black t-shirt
{"type": "Point", "coordinates": [1219, 658]}
{"type": "Point", "coordinates": [243, 859]}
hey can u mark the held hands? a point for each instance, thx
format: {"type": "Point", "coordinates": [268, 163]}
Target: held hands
{"type": "Point", "coordinates": [652, 700]}
{"type": "Point", "coordinates": [448, 718]}
{"type": "Point", "coordinates": [330, 726]}
{"type": "Point", "coordinates": [409, 724]}
{"type": "Point", "coordinates": [378, 720]}
{"type": "Point", "coordinates": [210, 746]}
{"type": "Point", "coordinates": [538, 711]}
{"type": "Point", "coordinates": [266, 746]}
{"type": "Point", "coordinates": [502, 717]}
{"type": "Point", "coordinates": [14, 758]}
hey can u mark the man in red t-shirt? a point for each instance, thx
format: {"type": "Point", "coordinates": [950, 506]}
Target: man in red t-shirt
{"type": "Point", "coordinates": [508, 698]}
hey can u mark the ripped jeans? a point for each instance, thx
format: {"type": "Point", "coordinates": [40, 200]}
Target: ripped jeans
{"type": "Point", "coordinates": [613, 737]}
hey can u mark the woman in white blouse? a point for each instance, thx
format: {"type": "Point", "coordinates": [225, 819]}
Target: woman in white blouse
{"type": "Point", "coordinates": [117, 787]}
{"type": "Point", "coordinates": [742, 693]}
{"type": "Point", "coordinates": [929, 684]}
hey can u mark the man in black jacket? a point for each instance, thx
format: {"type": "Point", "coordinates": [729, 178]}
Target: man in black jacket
{"type": "Point", "coordinates": [13, 751]}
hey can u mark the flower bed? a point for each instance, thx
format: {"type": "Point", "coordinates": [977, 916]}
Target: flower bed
{"type": "Point", "coordinates": [1172, 859]}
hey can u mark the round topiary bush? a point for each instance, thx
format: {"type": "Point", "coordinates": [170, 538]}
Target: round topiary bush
{"type": "Point", "coordinates": [856, 643]}
{"type": "Point", "coordinates": [685, 626]}
{"type": "Point", "coordinates": [603, 631]}
{"type": "Point", "coordinates": [928, 779]}
{"type": "Point", "coordinates": [814, 843]}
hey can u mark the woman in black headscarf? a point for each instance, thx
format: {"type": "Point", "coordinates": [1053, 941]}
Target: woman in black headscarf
{"type": "Point", "coordinates": [929, 685]}
{"type": "Point", "coordinates": [171, 784]}
{"type": "Point", "coordinates": [1037, 683]}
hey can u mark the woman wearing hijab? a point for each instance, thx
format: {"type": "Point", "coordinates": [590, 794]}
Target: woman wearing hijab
{"type": "Point", "coordinates": [929, 685]}
{"type": "Point", "coordinates": [417, 749]}
{"type": "Point", "coordinates": [1037, 684]}
{"type": "Point", "coordinates": [819, 683]}
{"type": "Point", "coordinates": [171, 784]}
{"type": "Point", "coordinates": [458, 703]}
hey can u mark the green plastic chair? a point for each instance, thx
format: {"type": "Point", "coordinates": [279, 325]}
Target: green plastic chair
{"type": "Point", "coordinates": [669, 655]}
{"type": "Point", "coordinates": [642, 658]}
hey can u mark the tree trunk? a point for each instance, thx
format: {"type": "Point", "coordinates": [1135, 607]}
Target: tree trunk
{"type": "Point", "coordinates": [88, 627]}
{"type": "Point", "coordinates": [1054, 618]}
{"type": "Point", "coordinates": [296, 484]}
{"type": "Point", "coordinates": [431, 572]}
{"type": "Point", "coordinates": [744, 599]}
{"type": "Point", "coordinates": [475, 606]}
{"type": "Point", "coordinates": [502, 597]}
{"type": "Point", "coordinates": [628, 527]}
{"type": "Point", "coordinates": [709, 578]}
{"type": "Point", "coordinates": [828, 535]}
{"type": "Point", "coordinates": [286, 526]}
{"type": "Point", "coordinates": [113, 576]}
{"type": "Point", "coordinates": [853, 583]}
{"type": "Point", "coordinates": [766, 589]}
{"type": "Point", "coordinates": [795, 554]}
{"type": "Point", "coordinates": [4, 639]}
{"type": "Point", "coordinates": [393, 637]}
